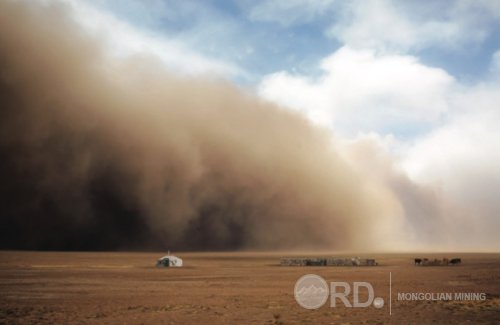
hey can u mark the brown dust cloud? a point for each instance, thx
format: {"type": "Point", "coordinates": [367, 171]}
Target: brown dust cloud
{"type": "Point", "coordinates": [101, 153]}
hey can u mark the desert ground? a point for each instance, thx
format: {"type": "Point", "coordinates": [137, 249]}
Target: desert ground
{"type": "Point", "coordinates": [232, 288]}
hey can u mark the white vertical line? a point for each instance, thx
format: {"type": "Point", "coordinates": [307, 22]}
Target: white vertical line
{"type": "Point", "coordinates": [390, 293]}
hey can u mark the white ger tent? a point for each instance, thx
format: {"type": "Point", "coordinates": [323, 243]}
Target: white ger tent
{"type": "Point", "coordinates": [169, 261]}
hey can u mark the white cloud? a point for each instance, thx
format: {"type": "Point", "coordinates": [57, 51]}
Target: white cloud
{"type": "Point", "coordinates": [123, 39]}
{"type": "Point", "coordinates": [446, 179]}
{"type": "Point", "coordinates": [462, 159]}
{"type": "Point", "coordinates": [467, 141]}
{"type": "Point", "coordinates": [398, 26]}
{"type": "Point", "coordinates": [364, 91]}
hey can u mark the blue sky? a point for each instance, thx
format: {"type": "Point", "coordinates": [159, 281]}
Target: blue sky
{"type": "Point", "coordinates": [278, 49]}
{"type": "Point", "coordinates": [384, 67]}
{"type": "Point", "coordinates": [262, 37]}
{"type": "Point", "coordinates": [225, 29]}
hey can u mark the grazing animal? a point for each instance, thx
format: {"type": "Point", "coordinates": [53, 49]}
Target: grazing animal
{"type": "Point", "coordinates": [418, 261]}
{"type": "Point", "coordinates": [455, 261]}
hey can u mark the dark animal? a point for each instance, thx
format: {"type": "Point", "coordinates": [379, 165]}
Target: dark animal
{"type": "Point", "coordinates": [455, 261]}
{"type": "Point", "coordinates": [418, 261]}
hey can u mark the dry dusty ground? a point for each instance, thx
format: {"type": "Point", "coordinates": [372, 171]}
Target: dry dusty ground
{"type": "Point", "coordinates": [230, 288]}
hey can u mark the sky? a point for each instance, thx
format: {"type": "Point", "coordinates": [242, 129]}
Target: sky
{"type": "Point", "coordinates": [407, 90]}
{"type": "Point", "coordinates": [398, 63]}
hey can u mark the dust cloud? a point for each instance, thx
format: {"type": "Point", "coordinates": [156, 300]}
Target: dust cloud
{"type": "Point", "coordinates": [103, 153]}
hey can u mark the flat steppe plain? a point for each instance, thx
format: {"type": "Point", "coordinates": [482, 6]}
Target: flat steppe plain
{"type": "Point", "coordinates": [233, 288]}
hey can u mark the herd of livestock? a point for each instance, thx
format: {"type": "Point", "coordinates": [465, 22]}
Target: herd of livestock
{"type": "Point", "coordinates": [437, 262]}
{"type": "Point", "coordinates": [356, 261]}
